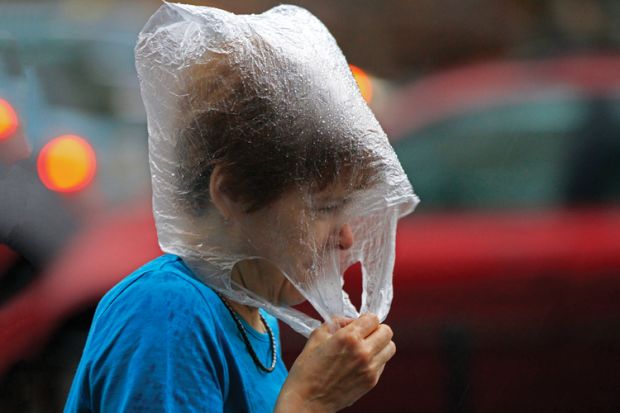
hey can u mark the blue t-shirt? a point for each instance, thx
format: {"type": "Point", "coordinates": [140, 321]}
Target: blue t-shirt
{"type": "Point", "coordinates": [162, 341]}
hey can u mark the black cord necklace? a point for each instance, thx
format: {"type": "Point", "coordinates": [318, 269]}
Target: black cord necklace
{"type": "Point", "coordinates": [244, 334]}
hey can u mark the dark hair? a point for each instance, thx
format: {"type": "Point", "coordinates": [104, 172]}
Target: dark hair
{"type": "Point", "coordinates": [264, 146]}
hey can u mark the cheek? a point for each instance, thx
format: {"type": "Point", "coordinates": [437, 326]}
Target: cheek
{"type": "Point", "coordinates": [319, 232]}
{"type": "Point", "coordinates": [311, 243]}
{"type": "Point", "coordinates": [304, 240]}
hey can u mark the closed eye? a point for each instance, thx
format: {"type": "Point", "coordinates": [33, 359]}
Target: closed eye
{"type": "Point", "coordinates": [331, 207]}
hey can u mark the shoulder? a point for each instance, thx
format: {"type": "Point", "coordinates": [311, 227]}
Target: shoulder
{"type": "Point", "coordinates": [159, 312]}
{"type": "Point", "coordinates": [154, 337]}
{"type": "Point", "coordinates": [165, 279]}
{"type": "Point", "coordinates": [160, 293]}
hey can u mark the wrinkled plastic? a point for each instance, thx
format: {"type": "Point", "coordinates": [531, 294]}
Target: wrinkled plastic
{"type": "Point", "coordinates": [191, 62]}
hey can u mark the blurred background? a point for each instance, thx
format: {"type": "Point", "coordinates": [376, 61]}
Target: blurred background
{"type": "Point", "coordinates": [504, 114]}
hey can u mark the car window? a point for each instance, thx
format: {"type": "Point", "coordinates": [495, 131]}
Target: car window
{"type": "Point", "coordinates": [12, 75]}
{"type": "Point", "coordinates": [85, 75]}
{"type": "Point", "coordinates": [511, 157]}
{"type": "Point", "coordinates": [594, 170]}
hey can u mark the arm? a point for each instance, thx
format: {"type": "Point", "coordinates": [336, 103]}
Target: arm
{"type": "Point", "coordinates": [335, 370]}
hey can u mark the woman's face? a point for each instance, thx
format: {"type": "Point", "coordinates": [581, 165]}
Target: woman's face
{"type": "Point", "coordinates": [300, 234]}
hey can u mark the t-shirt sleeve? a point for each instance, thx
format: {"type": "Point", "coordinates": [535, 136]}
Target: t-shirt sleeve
{"type": "Point", "coordinates": [154, 349]}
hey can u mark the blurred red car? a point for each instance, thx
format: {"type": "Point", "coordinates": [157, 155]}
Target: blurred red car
{"type": "Point", "coordinates": [507, 278]}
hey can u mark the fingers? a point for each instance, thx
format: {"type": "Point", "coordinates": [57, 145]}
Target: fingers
{"type": "Point", "coordinates": [385, 354]}
{"type": "Point", "coordinates": [380, 337]}
{"type": "Point", "coordinates": [374, 338]}
{"type": "Point", "coordinates": [320, 334]}
{"type": "Point", "coordinates": [342, 321]}
{"type": "Point", "coordinates": [327, 329]}
{"type": "Point", "coordinates": [338, 322]}
{"type": "Point", "coordinates": [363, 326]}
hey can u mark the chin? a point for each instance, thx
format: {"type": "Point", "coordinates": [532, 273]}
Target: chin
{"type": "Point", "coordinates": [292, 296]}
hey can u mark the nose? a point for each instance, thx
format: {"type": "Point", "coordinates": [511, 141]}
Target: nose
{"type": "Point", "coordinates": [346, 237]}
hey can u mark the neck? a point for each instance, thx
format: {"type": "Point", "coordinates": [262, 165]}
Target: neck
{"type": "Point", "coordinates": [249, 314]}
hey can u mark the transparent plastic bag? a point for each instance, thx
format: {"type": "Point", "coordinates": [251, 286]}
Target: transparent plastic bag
{"type": "Point", "coordinates": [307, 182]}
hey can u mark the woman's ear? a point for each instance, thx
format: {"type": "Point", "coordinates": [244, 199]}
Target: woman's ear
{"type": "Point", "coordinates": [219, 196]}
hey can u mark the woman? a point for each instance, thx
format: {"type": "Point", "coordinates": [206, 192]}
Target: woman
{"type": "Point", "coordinates": [265, 171]}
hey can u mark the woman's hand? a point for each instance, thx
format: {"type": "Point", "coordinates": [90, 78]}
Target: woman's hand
{"type": "Point", "coordinates": [336, 369]}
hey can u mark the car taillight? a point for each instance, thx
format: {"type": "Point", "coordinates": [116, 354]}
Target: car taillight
{"type": "Point", "coordinates": [363, 82]}
{"type": "Point", "coordinates": [8, 120]}
{"type": "Point", "coordinates": [66, 164]}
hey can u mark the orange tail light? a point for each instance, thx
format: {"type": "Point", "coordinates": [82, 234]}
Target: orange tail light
{"type": "Point", "coordinates": [66, 164]}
